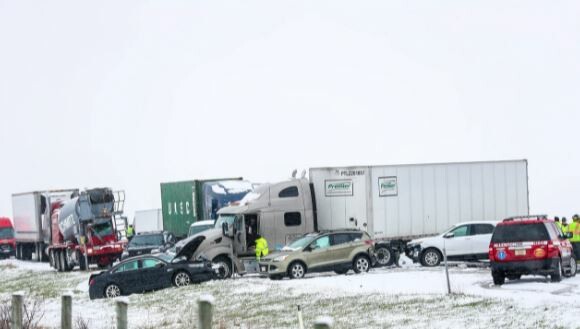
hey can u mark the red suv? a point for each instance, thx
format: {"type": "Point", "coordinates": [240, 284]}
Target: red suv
{"type": "Point", "coordinates": [530, 245]}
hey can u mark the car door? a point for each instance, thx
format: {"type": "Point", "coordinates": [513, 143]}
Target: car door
{"type": "Point", "coordinates": [154, 274]}
{"type": "Point", "coordinates": [459, 244]}
{"type": "Point", "coordinates": [128, 278]}
{"type": "Point", "coordinates": [480, 238]}
{"type": "Point", "coordinates": [342, 244]}
{"type": "Point", "coordinates": [317, 254]}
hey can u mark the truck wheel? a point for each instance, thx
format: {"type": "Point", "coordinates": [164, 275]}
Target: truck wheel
{"type": "Point", "coordinates": [82, 263]}
{"type": "Point", "coordinates": [51, 259]}
{"type": "Point", "coordinates": [431, 257]}
{"type": "Point", "coordinates": [498, 278]}
{"type": "Point", "coordinates": [361, 263]}
{"type": "Point", "coordinates": [18, 251]}
{"type": "Point", "coordinates": [224, 267]}
{"type": "Point", "coordinates": [181, 279]}
{"type": "Point", "coordinates": [385, 256]}
{"type": "Point", "coordinates": [296, 270]}
{"type": "Point", "coordinates": [63, 261]}
{"type": "Point", "coordinates": [556, 276]}
{"type": "Point", "coordinates": [112, 291]}
{"type": "Point", "coordinates": [57, 260]}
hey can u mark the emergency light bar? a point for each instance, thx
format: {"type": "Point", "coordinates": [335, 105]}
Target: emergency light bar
{"type": "Point", "coordinates": [528, 217]}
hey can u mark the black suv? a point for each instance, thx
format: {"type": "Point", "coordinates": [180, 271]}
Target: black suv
{"type": "Point", "coordinates": [148, 242]}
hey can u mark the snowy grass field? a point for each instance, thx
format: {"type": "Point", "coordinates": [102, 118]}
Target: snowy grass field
{"type": "Point", "coordinates": [407, 297]}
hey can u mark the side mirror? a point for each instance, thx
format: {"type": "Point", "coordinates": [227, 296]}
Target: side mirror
{"type": "Point", "coordinates": [449, 235]}
{"type": "Point", "coordinates": [308, 248]}
{"type": "Point", "coordinates": [159, 265]}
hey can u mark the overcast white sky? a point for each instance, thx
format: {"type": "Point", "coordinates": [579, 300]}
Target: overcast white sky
{"type": "Point", "coordinates": [132, 93]}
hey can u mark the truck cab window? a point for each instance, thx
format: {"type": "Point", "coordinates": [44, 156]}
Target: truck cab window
{"type": "Point", "coordinates": [289, 192]}
{"type": "Point", "coordinates": [292, 219]}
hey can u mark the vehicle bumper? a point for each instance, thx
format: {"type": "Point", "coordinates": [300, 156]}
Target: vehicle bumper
{"type": "Point", "coordinates": [272, 268]}
{"type": "Point", "coordinates": [544, 266]}
{"type": "Point", "coordinates": [413, 252]}
{"type": "Point", "coordinates": [7, 251]}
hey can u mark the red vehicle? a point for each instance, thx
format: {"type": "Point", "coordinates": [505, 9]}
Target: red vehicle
{"type": "Point", "coordinates": [69, 228]}
{"type": "Point", "coordinates": [7, 241]}
{"type": "Point", "coordinates": [530, 245]}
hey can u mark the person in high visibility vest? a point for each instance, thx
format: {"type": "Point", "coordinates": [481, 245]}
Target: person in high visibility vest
{"type": "Point", "coordinates": [565, 228]}
{"type": "Point", "coordinates": [574, 227]}
{"type": "Point", "coordinates": [130, 232]}
{"type": "Point", "coordinates": [261, 247]}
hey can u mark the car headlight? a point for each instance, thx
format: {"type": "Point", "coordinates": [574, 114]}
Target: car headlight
{"type": "Point", "coordinates": [280, 258]}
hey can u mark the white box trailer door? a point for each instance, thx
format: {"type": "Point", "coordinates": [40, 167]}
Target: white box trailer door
{"type": "Point", "coordinates": [26, 217]}
{"type": "Point", "coordinates": [416, 200]}
{"type": "Point", "coordinates": [148, 220]}
{"type": "Point", "coordinates": [342, 196]}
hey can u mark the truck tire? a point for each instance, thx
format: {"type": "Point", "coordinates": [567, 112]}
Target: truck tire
{"type": "Point", "coordinates": [498, 278]}
{"type": "Point", "coordinates": [57, 260]}
{"type": "Point", "coordinates": [51, 259]}
{"type": "Point", "coordinates": [556, 276]}
{"type": "Point", "coordinates": [63, 261]}
{"type": "Point", "coordinates": [361, 263]}
{"type": "Point", "coordinates": [82, 264]}
{"type": "Point", "coordinates": [431, 257]}
{"type": "Point", "coordinates": [385, 255]}
{"type": "Point", "coordinates": [225, 266]}
{"type": "Point", "coordinates": [296, 270]}
{"type": "Point", "coordinates": [18, 251]}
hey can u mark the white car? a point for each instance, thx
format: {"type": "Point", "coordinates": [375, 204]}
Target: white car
{"type": "Point", "coordinates": [468, 241]}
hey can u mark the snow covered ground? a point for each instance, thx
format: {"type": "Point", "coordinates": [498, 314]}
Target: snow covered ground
{"type": "Point", "coordinates": [407, 297]}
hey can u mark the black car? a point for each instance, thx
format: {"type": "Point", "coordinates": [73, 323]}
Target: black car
{"type": "Point", "coordinates": [147, 243]}
{"type": "Point", "coordinates": [151, 272]}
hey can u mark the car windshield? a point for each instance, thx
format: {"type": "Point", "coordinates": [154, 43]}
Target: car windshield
{"type": "Point", "coordinates": [146, 240]}
{"type": "Point", "coordinates": [193, 230]}
{"type": "Point", "coordinates": [103, 229]}
{"type": "Point", "coordinates": [225, 218]}
{"type": "Point", "coordinates": [6, 233]}
{"type": "Point", "coordinates": [520, 233]}
{"type": "Point", "coordinates": [300, 243]}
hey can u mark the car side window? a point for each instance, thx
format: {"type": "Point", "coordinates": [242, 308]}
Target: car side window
{"type": "Point", "coordinates": [356, 236]}
{"type": "Point", "coordinates": [129, 266]}
{"type": "Point", "coordinates": [321, 243]}
{"type": "Point", "coordinates": [460, 231]}
{"type": "Point", "coordinates": [288, 192]}
{"type": "Point", "coordinates": [341, 238]}
{"type": "Point", "coordinates": [477, 229]}
{"type": "Point", "coordinates": [150, 263]}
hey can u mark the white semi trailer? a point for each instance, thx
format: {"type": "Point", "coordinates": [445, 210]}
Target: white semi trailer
{"type": "Point", "coordinates": [397, 203]}
{"type": "Point", "coordinates": [394, 203]}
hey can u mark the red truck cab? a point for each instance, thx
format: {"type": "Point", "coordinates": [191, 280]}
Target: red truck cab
{"type": "Point", "coordinates": [7, 241]}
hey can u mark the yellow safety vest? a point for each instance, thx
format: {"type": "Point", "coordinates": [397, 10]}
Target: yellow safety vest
{"type": "Point", "coordinates": [559, 225]}
{"type": "Point", "coordinates": [130, 232]}
{"type": "Point", "coordinates": [261, 247]}
{"type": "Point", "coordinates": [574, 227]}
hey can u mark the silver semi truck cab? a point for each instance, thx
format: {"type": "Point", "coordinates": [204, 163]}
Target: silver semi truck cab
{"type": "Point", "coordinates": [279, 212]}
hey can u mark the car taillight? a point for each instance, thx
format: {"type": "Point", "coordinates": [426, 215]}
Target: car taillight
{"type": "Point", "coordinates": [369, 242]}
{"type": "Point", "coordinates": [91, 282]}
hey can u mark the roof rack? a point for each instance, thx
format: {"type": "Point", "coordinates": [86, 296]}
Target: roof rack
{"type": "Point", "coordinates": [527, 217]}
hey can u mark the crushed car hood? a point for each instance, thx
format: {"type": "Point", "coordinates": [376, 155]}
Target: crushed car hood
{"type": "Point", "coordinates": [188, 246]}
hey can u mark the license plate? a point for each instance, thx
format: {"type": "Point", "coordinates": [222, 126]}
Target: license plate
{"type": "Point", "coordinates": [520, 252]}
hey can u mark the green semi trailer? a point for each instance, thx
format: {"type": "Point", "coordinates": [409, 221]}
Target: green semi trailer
{"type": "Point", "coordinates": [186, 202]}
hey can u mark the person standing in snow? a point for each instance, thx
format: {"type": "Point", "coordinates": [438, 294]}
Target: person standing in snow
{"type": "Point", "coordinates": [565, 228]}
{"type": "Point", "coordinates": [574, 227]}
